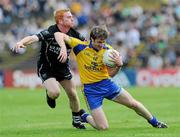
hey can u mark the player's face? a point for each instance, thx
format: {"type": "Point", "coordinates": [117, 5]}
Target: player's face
{"type": "Point", "coordinates": [68, 19]}
{"type": "Point", "coordinates": [98, 43]}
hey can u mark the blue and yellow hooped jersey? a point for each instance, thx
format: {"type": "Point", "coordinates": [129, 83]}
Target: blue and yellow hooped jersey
{"type": "Point", "coordinates": [90, 64]}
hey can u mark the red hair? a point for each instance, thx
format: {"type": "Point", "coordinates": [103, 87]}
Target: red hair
{"type": "Point", "coordinates": [58, 14]}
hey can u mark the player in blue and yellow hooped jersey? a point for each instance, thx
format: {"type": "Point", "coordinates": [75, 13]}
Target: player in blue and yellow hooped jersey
{"type": "Point", "coordinates": [95, 77]}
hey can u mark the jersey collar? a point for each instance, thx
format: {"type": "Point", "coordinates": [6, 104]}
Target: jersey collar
{"type": "Point", "coordinates": [91, 46]}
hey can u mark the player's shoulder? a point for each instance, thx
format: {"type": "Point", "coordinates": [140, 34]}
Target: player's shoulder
{"type": "Point", "coordinates": [53, 26]}
{"type": "Point", "coordinates": [52, 29]}
{"type": "Point", "coordinates": [78, 41]}
{"type": "Point", "coordinates": [44, 35]}
{"type": "Point", "coordinates": [107, 46]}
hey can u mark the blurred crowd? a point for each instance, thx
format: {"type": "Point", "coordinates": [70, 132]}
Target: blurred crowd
{"type": "Point", "coordinates": [146, 38]}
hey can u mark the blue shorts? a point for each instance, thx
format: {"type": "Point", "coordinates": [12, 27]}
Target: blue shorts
{"type": "Point", "coordinates": [96, 92]}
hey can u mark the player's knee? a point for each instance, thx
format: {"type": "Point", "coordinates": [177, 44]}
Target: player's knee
{"type": "Point", "coordinates": [54, 94]}
{"type": "Point", "coordinates": [72, 94]}
{"type": "Point", "coordinates": [103, 127]}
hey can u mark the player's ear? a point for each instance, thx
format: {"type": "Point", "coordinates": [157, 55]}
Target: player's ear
{"type": "Point", "coordinates": [60, 21]}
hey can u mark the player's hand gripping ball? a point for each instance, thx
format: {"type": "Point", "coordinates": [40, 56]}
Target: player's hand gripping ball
{"type": "Point", "coordinates": [107, 60]}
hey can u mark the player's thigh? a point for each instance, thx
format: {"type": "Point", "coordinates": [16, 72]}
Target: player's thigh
{"type": "Point", "coordinates": [51, 85]}
{"type": "Point", "coordinates": [125, 98]}
{"type": "Point", "coordinates": [68, 86]}
{"type": "Point", "coordinates": [99, 118]}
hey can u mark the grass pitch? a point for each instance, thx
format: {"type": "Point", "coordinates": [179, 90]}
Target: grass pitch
{"type": "Point", "coordinates": [24, 113]}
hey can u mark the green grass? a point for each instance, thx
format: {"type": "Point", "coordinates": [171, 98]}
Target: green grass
{"type": "Point", "coordinates": [24, 113]}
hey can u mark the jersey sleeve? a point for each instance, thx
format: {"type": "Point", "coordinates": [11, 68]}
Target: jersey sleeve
{"type": "Point", "coordinates": [73, 42]}
{"type": "Point", "coordinates": [44, 35]}
{"type": "Point", "coordinates": [108, 46]}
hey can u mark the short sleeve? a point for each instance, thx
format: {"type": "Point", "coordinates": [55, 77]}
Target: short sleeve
{"type": "Point", "coordinates": [108, 46]}
{"type": "Point", "coordinates": [44, 35]}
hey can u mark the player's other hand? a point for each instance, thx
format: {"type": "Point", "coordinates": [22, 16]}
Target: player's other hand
{"type": "Point", "coordinates": [18, 46]}
{"type": "Point", "coordinates": [62, 55]}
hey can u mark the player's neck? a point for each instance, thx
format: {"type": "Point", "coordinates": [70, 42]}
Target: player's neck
{"type": "Point", "coordinates": [63, 29]}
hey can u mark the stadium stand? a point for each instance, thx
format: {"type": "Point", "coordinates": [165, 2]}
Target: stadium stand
{"type": "Point", "coordinates": [146, 36]}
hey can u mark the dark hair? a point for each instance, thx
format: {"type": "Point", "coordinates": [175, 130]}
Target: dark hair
{"type": "Point", "coordinates": [99, 32]}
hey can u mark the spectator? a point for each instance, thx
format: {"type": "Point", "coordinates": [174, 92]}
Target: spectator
{"type": "Point", "coordinates": [155, 61]}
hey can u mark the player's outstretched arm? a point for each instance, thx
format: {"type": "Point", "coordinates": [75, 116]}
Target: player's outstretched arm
{"type": "Point", "coordinates": [24, 42]}
{"type": "Point", "coordinates": [60, 38]}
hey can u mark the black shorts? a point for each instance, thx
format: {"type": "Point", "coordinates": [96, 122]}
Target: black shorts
{"type": "Point", "coordinates": [60, 73]}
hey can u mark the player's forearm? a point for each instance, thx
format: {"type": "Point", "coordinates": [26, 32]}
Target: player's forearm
{"type": "Point", "coordinates": [60, 38]}
{"type": "Point", "coordinates": [113, 71]}
{"type": "Point", "coordinates": [29, 40]}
